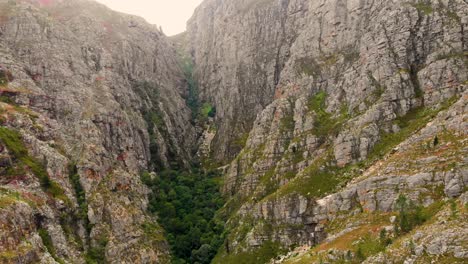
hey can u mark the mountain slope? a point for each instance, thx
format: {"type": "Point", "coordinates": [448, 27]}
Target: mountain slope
{"type": "Point", "coordinates": [92, 94]}
{"type": "Point", "coordinates": [343, 83]}
{"type": "Point", "coordinates": [339, 128]}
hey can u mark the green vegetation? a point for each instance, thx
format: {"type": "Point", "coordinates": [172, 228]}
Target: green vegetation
{"type": "Point", "coordinates": [153, 231]}
{"type": "Point", "coordinates": [74, 178]}
{"type": "Point", "coordinates": [269, 182]}
{"type": "Point", "coordinates": [413, 121]}
{"type": "Point", "coordinates": [262, 254]}
{"type": "Point", "coordinates": [423, 6]}
{"type": "Point", "coordinates": [369, 245]}
{"type": "Point", "coordinates": [14, 143]}
{"type": "Point", "coordinates": [207, 110]}
{"type": "Point", "coordinates": [323, 176]}
{"type": "Point", "coordinates": [186, 204]}
{"type": "Point", "coordinates": [47, 241]}
{"type": "Point", "coordinates": [411, 216]}
{"type": "Point", "coordinates": [6, 201]}
{"type": "Point", "coordinates": [325, 124]}
{"type": "Point", "coordinates": [192, 100]}
{"type": "Point", "coordinates": [241, 141]}
{"type": "Point", "coordinates": [199, 111]}
{"type": "Point", "coordinates": [318, 179]}
{"type": "Point", "coordinates": [96, 254]}
{"type": "Point", "coordinates": [287, 123]}
{"type": "Point", "coordinates": [149, 91]}
{"type": "Point", "coordinates": [6, 99]}
{"type": "Point", "coordinates": [9, 197]}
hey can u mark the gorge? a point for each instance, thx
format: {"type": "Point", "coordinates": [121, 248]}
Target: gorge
{"type": "Point", "coordinates": [271, 131]}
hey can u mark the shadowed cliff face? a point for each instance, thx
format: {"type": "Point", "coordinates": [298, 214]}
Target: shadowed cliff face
{"type": "Point", "coordinates": [95, 93]}
{"type": "Point", "coordinates": [239, 50]}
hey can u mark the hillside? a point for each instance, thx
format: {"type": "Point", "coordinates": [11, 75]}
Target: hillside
{"type": "Point", "coordinates": [272, 131]}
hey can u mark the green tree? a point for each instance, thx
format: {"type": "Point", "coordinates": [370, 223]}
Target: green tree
{"type": "Point", "coordinates": [186, 203]}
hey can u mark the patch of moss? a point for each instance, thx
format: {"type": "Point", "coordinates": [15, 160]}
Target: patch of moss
{"type": "Point", "coordinates": [96, 254]}
{"type": "Point", "coordinates": [269, 182]}
{"type": "Point", "coordinates": [317, 180]}
{"type": "Point", "coordinates": [263, 254]}
{"type": "Point", "coordinates": [287, 123]}
{"type": "Point", "coordinates": [12, 140]}
{"type": "Point", "coordinates": [369, 246]}
{"type": "Point", "coordinates": [409, 123]}
{"type": "Point", "coordinates": [424, 7]}
{"type": "Point", "coordinates": [241, 141]}
{"type": "Point", "coordinates": [329, 60]}
{"type": "Point", "coordinates": [47, 241]}
{"type": "Point", "coordinates": [153, 231]}
{"type": "Point", "coordinates": [8, 255]}
{"type": "Point", "coordinates": [9, 197]}
{"type": "Point", "coordinates": [14, 256]}
{"type": "Point", "coordinates": [6, 201]}
{"type": "Point", "coordinates": [6, 99]}
{"type": "Point", "coordinates": [325, 124]}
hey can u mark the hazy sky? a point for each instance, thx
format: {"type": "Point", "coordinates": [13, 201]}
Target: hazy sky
{"type": "Point", "coordinates": [170, 14]}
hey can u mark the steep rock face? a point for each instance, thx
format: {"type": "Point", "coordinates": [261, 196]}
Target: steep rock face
{"type": "Point", "coordinates": [239, 49]}
{"type": "Point", "coordinates": [85, 85]}
{"type": "Point", "coordinates": [416, 168]}
{"type": "Point", "coordinates": [249, 53]}
{"type": "Point", "coordinates": [354, 79]}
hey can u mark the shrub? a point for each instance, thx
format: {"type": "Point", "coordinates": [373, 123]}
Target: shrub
{"type": "Point", "coordinates": [47, 241]}
{"type": "Point", "coordinates": [80, 193]}
{"type": "Point", "coordinates": [411, 215]}
{"type": "Point", "coordinates": [207, 110]}
{"type": "Point", "coordinates": [97, 253]}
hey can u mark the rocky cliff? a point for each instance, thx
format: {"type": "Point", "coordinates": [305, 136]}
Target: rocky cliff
{"type": "Point", "coordinates": [239, 49]}
{"type": "Point", "coordinates": [88, 95]}
{"type": "Point", "coordinates": [319, 95]}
